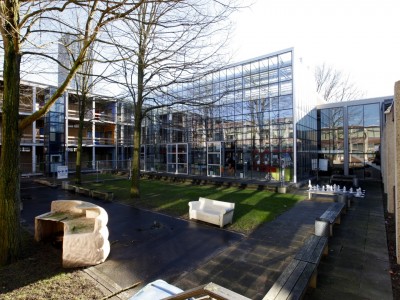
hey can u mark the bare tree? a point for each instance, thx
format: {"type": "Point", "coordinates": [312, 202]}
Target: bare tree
{"type": "Point", "coordinates": [83, 85]}
{"type": "Point", "coordinates": [334, 85]}
{"type": "Point", "coordinates": [27, 27]}
{"type": "Point", "coordinates": [169, 43]}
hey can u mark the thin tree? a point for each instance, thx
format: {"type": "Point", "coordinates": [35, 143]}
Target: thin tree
{"type": "Point", "coordinates": [334, 85]}
{"type": "Point", "coordinates": [169, 43]}
{"type": "Point", "coordinates": [83, 86]}
{"type": "Point", "coordinates": [21, 27]}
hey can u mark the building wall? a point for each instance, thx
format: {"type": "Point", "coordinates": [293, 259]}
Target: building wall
{"type": "Point", "coordinates": [391, 162]}
{"type": "Point", "coordinates": [388, 150]}
{"type": "Point", "coordinates": [55, 135]}
{"type": "Point", "coordinates": [397, 166]}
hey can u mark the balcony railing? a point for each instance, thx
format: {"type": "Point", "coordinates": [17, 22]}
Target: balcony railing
{"type": "Point", "coordinates": [104, 141]}
{"type": "Point", "coordinates": [74, 113]}
{"type": "Point", "coordinates": [73, 140]}
{"type": "Point", "coordinates": [104, 117]}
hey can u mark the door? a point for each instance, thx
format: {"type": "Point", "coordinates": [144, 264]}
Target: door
{"type": "Point", "coordinates": [214, 159]}
{"type": "Point", "coordinates": [177, 158]}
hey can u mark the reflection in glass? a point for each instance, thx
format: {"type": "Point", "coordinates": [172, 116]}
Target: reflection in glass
{"type": "Point", "coordinates": [252, 107]}
{"type": "Point", "coordinates": [371, 115]}
{"type": "Point", "coordinates": [355, 115]}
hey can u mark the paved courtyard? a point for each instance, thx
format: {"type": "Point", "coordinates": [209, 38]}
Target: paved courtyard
{"type": "Point", "coordinates": [146, 246]}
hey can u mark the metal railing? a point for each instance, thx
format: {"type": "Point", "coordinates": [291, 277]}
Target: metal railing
{"type": "Point", "coordinates": [99, 166]}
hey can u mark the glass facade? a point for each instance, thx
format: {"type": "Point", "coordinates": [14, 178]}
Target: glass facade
{"type": "Point", "coordinates": [364, 140]}
{"type": "Point", "coordinates": [54, 132]}
{"type": "Point", "coordinates": [249, 120]}
{"type": "Point", "coordinates": [246, 128]}
{"type": "Point", "coordinates": [350, 138]}
{"type": "Point", "coordinates": [331, 123]}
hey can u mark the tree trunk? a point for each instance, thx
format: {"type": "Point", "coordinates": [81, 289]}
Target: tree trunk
{"type": "Point", "coordinates": [78, 165]}
{"type": "Point", "coordinates": [10, 237]}
{"type": "Point", "coordinates": [135, 189]}
{"type": "Point", "coordinates": [135, 184]}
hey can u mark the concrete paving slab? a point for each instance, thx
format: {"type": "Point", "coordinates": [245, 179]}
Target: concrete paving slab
{"type": "Point", "coordinates": [148, 246]}
{"type": "Point", "coordinates": [145, 245]}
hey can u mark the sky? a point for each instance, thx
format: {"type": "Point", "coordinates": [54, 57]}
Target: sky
{"type": "Point", "coordinates": [361, 38]}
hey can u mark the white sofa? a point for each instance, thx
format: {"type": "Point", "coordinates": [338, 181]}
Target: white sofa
{"type": "Point", "coordinates": [211, 211]}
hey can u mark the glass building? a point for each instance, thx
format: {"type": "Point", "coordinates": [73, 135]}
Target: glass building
{"type": "Point", "coordinates": [350, 136]}
{"type": "Point", "coordinates": [256, 115]}
{"type": "Point", "coordinates": [250, 120]}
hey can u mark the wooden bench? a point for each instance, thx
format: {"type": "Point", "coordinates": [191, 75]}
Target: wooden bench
{"type": "Point", "coordinates": [84, 191]}
{"type": "Point", "coordinates": [196, 181]}
{"type": "Point", "coordinates": [293, 282]}
{"type": "Point", "coordinates": [105, 195]}
{"type": "Point", "coordinates": [69, 187]}
{"type": "Point", "coordinates": [313, 249]}
{"type": "Point", "coordinates": [330, 217]}
{"type": "Point", "coordinates": [301, 272]}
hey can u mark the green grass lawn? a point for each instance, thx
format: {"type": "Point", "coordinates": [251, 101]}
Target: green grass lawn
{"type": "Point", "coordinates": [252, 207]}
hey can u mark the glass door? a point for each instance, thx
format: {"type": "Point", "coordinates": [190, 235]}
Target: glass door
{"type": "Point", "coordinates": [177, 158]}
{"type": "Point", "coordinates": [214, 161]}
{"type": "Point", "coordinates": [147, 158]}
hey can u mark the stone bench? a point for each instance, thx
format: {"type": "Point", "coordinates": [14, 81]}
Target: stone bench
{"type": "Point", "coordinates": [211, 211]}
{"type": "Point", "coordinates": [301, 272]}
{"type": "Point", "coordinates": [330, 217]}
{"type": "Point", "coordinates": [82, 228]}
{"type": "Point", "coordinates": [311, 193]}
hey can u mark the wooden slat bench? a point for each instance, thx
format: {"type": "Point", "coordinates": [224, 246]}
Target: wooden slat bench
{"type": "Point", "coordinates": [105, 195]}
{"type": "Point", "coordinates": [293, 282]}
{"type": "Point", "coordinates": [332, 215]}
{"type": "Point", "coordinates": [84, 191]}
{"type": "Point", "coordinates": [301, 271]}
{"type": "Point", "coordinates": [313, 249]}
